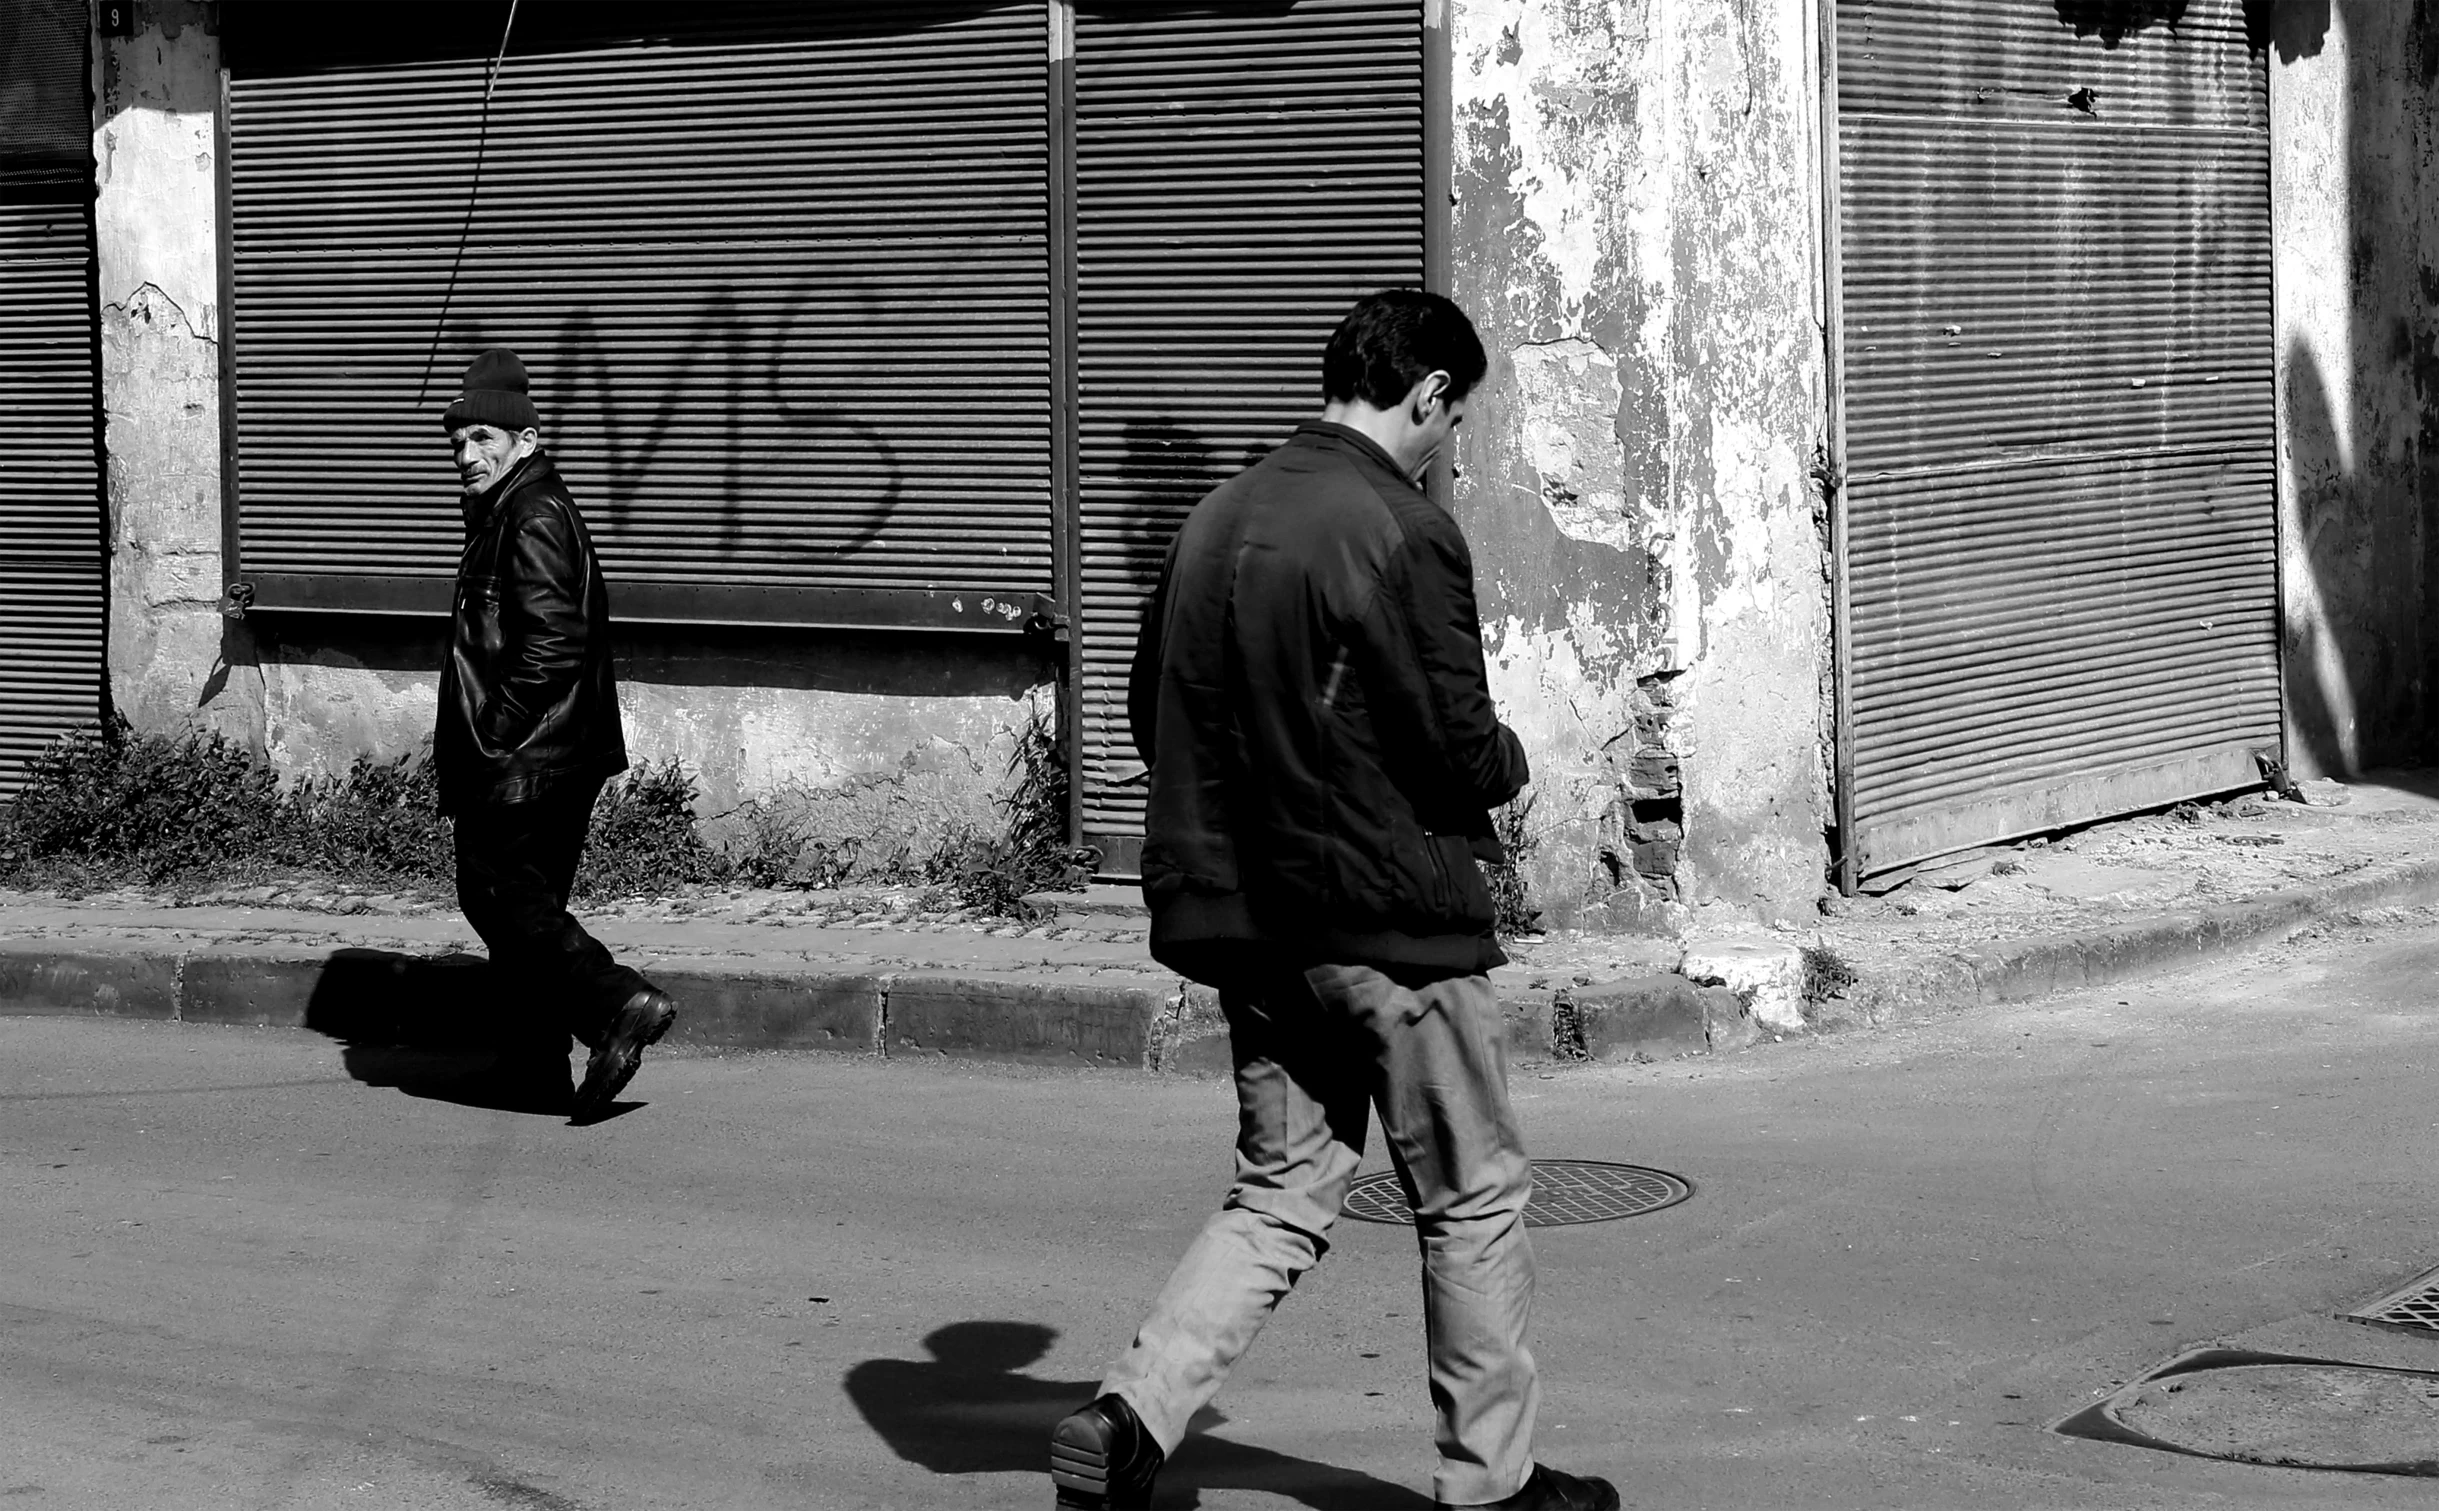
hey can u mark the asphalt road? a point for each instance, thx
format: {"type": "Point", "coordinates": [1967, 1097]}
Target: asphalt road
{"type": "Point", "coordinates": [243, 1268]}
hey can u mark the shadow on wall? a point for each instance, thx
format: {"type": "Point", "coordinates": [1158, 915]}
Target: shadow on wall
{"type": "Point", "coordinates": [2295, 28]}
{"type": "Point", "coordinates": [2292, 28]}
{"type": "Point", "coordinates": [2115, 20]}
{"type": "Point", "coordinates": [1166, 469]}
{"type": "Point", "coordinates": [2324, 662]}
{"type": "Point", "coordinates": [971, 1409]}
{"type": "Point", "coordinates": [2362, 443]}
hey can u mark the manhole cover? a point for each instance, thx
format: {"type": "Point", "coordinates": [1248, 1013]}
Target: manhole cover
{"type": "Point", "coordinates": [2310, 1416]}
{"type": "Point", "coordinates": [2412, 1307]}
{"type": "Point", "coordinates": [1565, 1191]}
{"type": "Point", "coordinates": [2277, 1409]}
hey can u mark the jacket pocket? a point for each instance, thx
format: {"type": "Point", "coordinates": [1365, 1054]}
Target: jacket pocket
{"type": "Point", "coordinates": [478, 619]}
{"type": "Point", "coordinates": [1460, 894]}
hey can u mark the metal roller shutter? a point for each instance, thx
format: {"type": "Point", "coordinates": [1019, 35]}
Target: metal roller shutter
{"type": "Point", "coordinates": [2060, 552]}
{"type": "Point", "coordinates": [780, 273]}
{"type": "Point", "coordinates": [50, 475]}
{"type": "Point", "coordinates": [1240, 180]}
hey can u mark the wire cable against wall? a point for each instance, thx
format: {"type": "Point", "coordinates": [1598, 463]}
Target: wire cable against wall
{"type": "Point", "coordinates": [465, 231]}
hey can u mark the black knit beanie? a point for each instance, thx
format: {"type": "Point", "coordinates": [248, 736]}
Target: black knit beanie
{"type": "Point", "coordinates": [494, 395]}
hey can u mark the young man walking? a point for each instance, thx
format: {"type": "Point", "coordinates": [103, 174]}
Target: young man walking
{"type": "Point", "coordinates": [529, 731]}
{"type": "Point", "coordinates": [1311, 697]}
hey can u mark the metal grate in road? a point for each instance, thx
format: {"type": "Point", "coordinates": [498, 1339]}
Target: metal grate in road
{"type": "Point", "coordinates": [1565, 1192]}
{"type": "Point", "coordinates": [2412, 1307]}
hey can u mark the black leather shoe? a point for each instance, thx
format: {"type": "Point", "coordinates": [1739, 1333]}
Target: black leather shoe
{"type": "Point", "coordinates": [1102, 1459]}
{"type": "Point", "coordinates": [1550, 1490]}
{"type": "Point", "coordinates": [633, 1029]}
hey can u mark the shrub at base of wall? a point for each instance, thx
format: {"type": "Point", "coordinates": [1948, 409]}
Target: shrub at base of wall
{"type": "Point", "coordinates": [107, 806]}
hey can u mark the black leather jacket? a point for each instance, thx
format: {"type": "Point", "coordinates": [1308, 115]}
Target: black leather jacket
{"type": "Point", "coordinates": [528, 700]}
{"type": "Point", "coordinates": [1310, 694]}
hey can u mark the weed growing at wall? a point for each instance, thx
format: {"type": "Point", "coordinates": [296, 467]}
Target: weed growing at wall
{"type": "Point", "coordinates": [976, 868]}
{"type": "Point", "coordinates": [106, 806]}
{"type": "Point", "coordinates": [1514, 910]}
{"type": "Point", "coordinates": [1826, 973]}
{"type": "Point", "coordinates": [380, 823]}
{"type": "Point", "coordinates": [644, 842]}
{"type": "Point", "coordinates": [110, 804]}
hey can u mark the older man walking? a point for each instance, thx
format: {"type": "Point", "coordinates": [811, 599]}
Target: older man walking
{"type": "Point", "coordinates": [529, 731]}
{"type": "Point", "coordinates": [1310, 694]}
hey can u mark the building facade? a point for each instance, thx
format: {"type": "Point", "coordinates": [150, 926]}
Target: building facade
{"type": "Point", "coordinates": [1911, 424]}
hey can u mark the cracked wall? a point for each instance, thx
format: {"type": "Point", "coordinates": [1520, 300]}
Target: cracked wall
{"type": "Point", "coordinates": [747, 712]}
{"type": "Point", "coordinates": [1636, 234]}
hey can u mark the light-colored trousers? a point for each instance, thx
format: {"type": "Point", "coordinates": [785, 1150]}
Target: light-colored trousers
{"type": "Point", "coordinates": [1315, 1051]}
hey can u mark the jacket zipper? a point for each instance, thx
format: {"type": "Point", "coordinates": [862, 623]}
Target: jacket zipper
{"type": "Point", "coordinates": [1447, 899]}
{"type": "Point", "coordinates": [1338, 669]}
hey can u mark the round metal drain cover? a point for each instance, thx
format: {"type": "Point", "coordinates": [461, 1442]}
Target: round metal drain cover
{"type": "Point", "coordinates": [1565, 1191]}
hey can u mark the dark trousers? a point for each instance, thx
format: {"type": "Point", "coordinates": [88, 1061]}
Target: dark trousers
{"type": "Point", "coordinates": [515, 864]}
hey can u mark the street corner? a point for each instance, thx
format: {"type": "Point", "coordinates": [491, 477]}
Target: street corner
{"type": "Point", "coordinates": [1767, 976]}
{"type": "Point", "coordinates": [1193, 1036]}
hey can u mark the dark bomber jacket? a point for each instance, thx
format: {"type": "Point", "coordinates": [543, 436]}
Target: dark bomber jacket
{"type": "Point", "coordinates": [528, 700]}
{"type": "Point", "coordinates": [1310, 695]}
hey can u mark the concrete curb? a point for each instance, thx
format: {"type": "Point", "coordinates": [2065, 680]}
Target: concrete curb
{"type": "Point", "coordinates": [382, 996]}
{"type": "Point", "coordinates": [2020, 970]}
{"type": "Point", "coordinates": [1154, 1022]}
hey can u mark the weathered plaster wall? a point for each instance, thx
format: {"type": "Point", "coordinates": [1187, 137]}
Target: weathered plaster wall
{"type": "Point", "coordinates": [1636, 234]}
{"type": "Point", "coordinates": [747, 713]}
{"type": "Point", "coordinates": [2352, 175]}
{"type": "Point", "coordinates": [154, 217]}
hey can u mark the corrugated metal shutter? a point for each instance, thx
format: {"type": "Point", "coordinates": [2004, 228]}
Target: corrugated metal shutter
{"type": "Point", "coordinates": [780, 273]}
{"type": "Point", "coordinates": [51, 638]}
{"type": "Point", "coordinates": [2059, 422]}
{"type": "Point", "coordinates": [1240, 181]}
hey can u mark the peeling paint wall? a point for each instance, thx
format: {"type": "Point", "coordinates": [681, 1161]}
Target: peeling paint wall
{"type": "Point", "coordinates": [2357, 271]}
{"type": "Point", "coordinates": [1636, 233]}
{"type": "Point", "coordinates": [173, 659]}
{"type": "Point", "coordinates": [748, 713]}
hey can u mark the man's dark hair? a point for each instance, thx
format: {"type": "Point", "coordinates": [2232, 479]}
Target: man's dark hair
{"type": "Point", "coordinates": [1394, 339]}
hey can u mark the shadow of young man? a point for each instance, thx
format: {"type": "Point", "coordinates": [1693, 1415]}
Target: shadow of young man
{"type": "Point", "coordinates": [970, 1409]}
{"type": "Point", "coordinates": [437, 1028]}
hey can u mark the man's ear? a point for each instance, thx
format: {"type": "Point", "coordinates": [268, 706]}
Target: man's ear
{"type": "Point", "coordinates": [529, 437]}
{"type": "Point", "coordinates": [1432, 390]}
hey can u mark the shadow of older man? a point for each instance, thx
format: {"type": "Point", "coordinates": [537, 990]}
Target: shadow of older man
{"type": "Point", "coordinates": [438, 1028]}
{"type": "Point", "coordinates": [970, 1409]}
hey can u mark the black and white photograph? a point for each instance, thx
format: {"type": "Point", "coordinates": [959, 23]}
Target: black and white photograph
{"type": "Point", "coordinates": [1219, 755]}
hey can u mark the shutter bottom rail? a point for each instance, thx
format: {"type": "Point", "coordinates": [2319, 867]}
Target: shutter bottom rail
{"type": "Point", "coordinates": [993, 611]}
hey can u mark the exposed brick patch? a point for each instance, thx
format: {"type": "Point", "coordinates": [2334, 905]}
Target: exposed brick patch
{"type": "Point", "coordinates": [1643, 833]}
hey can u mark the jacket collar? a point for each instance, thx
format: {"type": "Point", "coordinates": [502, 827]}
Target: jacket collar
{"type": "Point", "coordinates": [532, 467]}
{"type": "Point", "coordinates": [1347, 435]}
